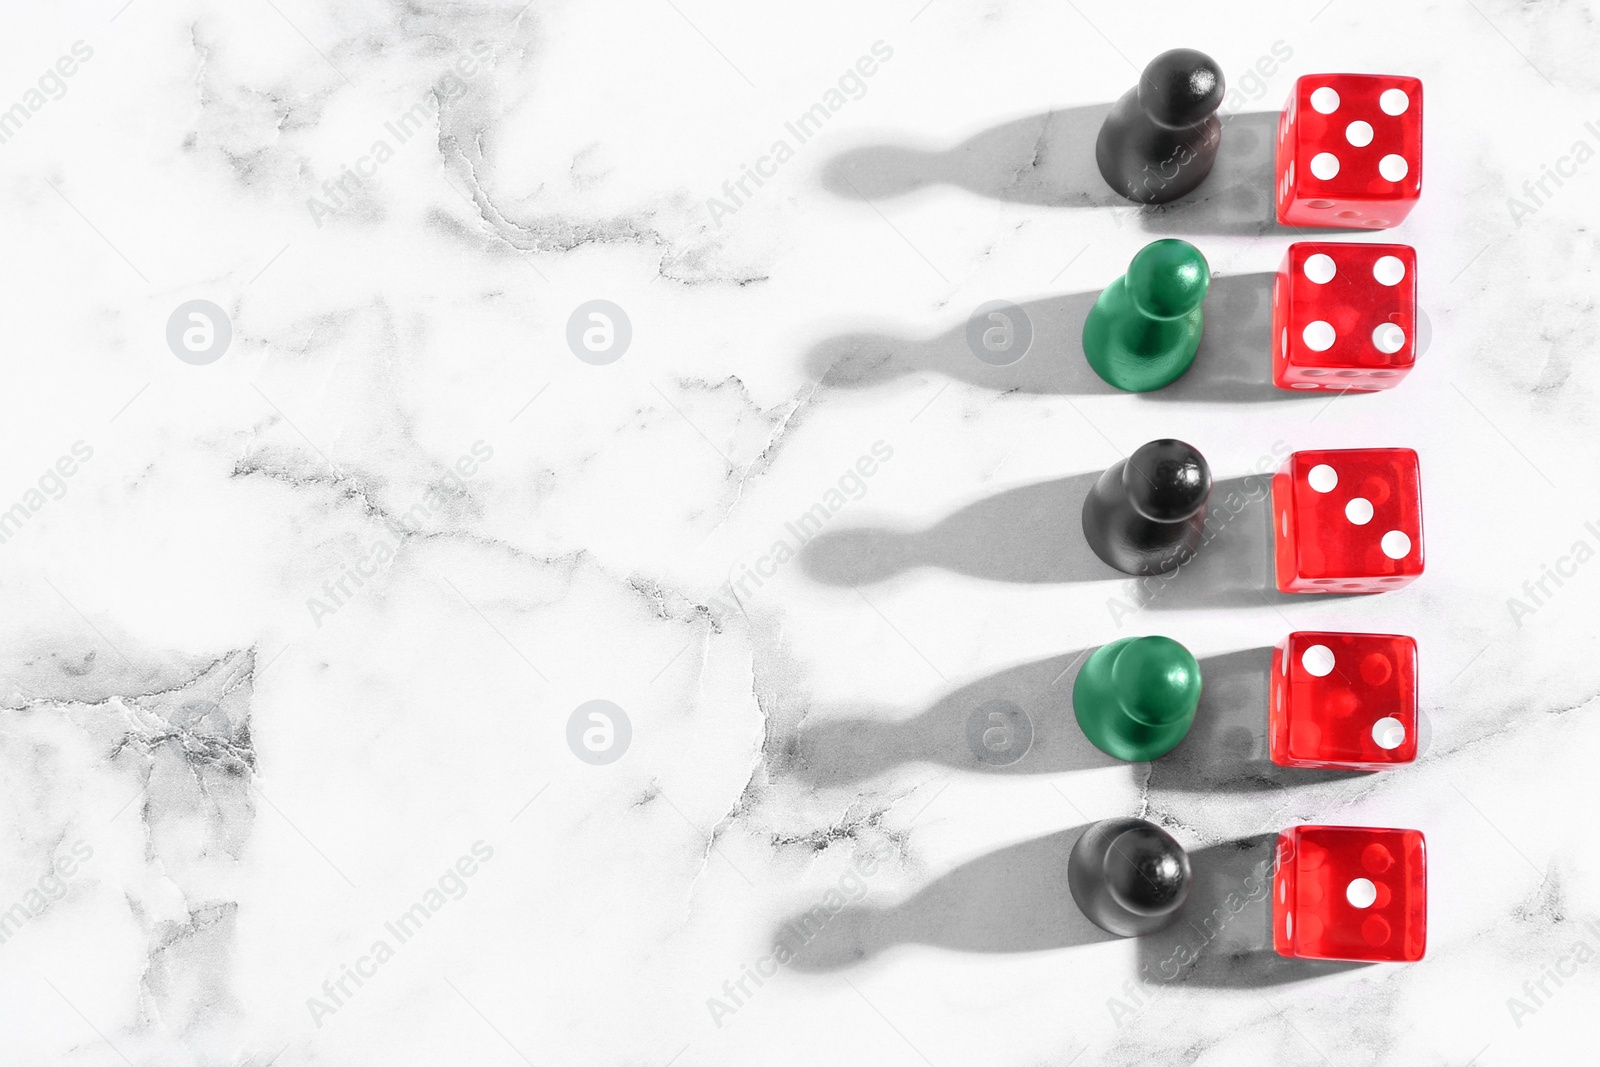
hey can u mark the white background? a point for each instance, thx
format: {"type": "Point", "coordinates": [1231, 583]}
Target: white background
{"type": "Point", "coordinates": [262, 790]}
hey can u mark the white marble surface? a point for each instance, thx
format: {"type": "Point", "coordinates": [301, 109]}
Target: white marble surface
{"type": "Point", "coordinates": [244, 787]}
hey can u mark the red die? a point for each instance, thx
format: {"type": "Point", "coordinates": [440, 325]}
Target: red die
{"type": "Point", "coordinates": [1343, 701]}
{"type": "Point", "coordinates": [1350, 893]}
{"type": "Point", "coordinates": [1347, 520]}
{"type": "Point", "coordinates": [1343, 316]}
{"type": "Point", "coordinates": [1350, 151]}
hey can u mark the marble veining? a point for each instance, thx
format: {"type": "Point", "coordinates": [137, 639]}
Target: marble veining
{"type": "Point", "coordinates": [302, 756]}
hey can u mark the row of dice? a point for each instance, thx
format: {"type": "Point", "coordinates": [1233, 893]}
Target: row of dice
{"type": "Point", "coordinates": [1347, 520]}
{"type": "Point", "coordinates": [1344, 318]}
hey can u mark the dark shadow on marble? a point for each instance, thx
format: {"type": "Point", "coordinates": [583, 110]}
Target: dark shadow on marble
{"type": "Point", "coordinates": [1037, 159]}
{"type": "Point", "coordinates": [1017, 721]}
{"type": "Point", "coordinates": [1223, 936]}
{"type": "Point", "coordinates": [1233, 365]}
{"type": "Point", "coordinates": [1226, 749]}
{"type": "Point", "coordinates": [1014, 899]}
{"type": "Point", "coordinates": [1053, 365]}
{"type": "Point", "coordinates": [1031, 533]}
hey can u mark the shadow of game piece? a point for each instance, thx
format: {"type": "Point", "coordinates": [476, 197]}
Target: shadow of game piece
{"type": "Point", "coordinates": [1045, 159]}
{"type": "Point", "coordinates": [1030, 533]}
{"type": "Point", "coordinates": [1014, 899]}
{"type": "Point", "coordinates": [1016, 721]}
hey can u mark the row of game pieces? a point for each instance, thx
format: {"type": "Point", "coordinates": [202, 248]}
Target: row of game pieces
{"type": "Point", "coordinates": [1348, 521]}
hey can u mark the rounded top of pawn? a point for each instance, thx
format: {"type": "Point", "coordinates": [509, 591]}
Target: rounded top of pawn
{"type": "Point", "coordinates": [1156, 680]}
{"type": "Point", "coordinates": [1147, 871]}
{"type": "Point", "coordinates": [1167, 480]}
{"type": "Point", "coordinates": [1168, 278]}
{"type": "Point", "coordinates": [1181, 87]}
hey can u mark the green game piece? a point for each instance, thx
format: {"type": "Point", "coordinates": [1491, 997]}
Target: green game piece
{"type": "Point", "coordinates": [1144, 330]}
{"type": "Point", "coordinates": [1136, 697]}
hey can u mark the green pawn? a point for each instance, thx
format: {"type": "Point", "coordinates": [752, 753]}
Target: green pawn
{"type": "Point", "coordinates": [1136, 697]}
{"type": "Point", "coordinates": [1144, 330]}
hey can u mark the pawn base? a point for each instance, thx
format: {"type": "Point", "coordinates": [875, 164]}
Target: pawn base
{"type": "Point", "coordinates": [1165, 348]}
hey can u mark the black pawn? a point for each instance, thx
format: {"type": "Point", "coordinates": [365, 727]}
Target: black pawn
{"type": "Point", "coordinates": [1160, 139]}
{"type": "Point", "coordinates": [1128, 876]}
{"type": "Point", "coordinates": [1147, 514]}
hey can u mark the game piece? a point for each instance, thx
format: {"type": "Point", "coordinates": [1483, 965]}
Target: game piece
{"type": "Point", "coordinates": [1350, 151]}
{"type": "Point", "coordinates": [1347, 520]}
{"type": "Point", "coordinates": [1343, 701]}
{"type": "Point", "coordinates": [1135, 698]}
{"type": "Point", "coordinates": [1147, 514]}
{"type": "Point", "coordinates": [1128, 876]}
{"type": "Point", "coordinates": [1350, 893]}
{"type": "Point", "coordinates": [1144, 329]}
{"type": "Point", "coordinates": [1158, 142]}
{"type": "Point", "coordinates": [1344, 316]}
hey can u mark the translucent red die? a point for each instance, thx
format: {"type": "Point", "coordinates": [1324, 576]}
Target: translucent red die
{"type": "Point", "coordinates": [1347, 520]}
{"type": "Point", "coordinates": [1350, 893]}
{"type": "Point", "coordinates": [1343, 701]}
{"type": "Point", "coordinates": [1344, 316]}
{"type": "Point", "coordinates": [1350, 151]}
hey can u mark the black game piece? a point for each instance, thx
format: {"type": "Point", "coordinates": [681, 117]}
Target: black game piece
{"type": "Point", "coordinates": [1128, 876]}
{"type": "Point", "coordinates": [1160, 139]}
{"type": "Point", "coordinates": [1147, 514]}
